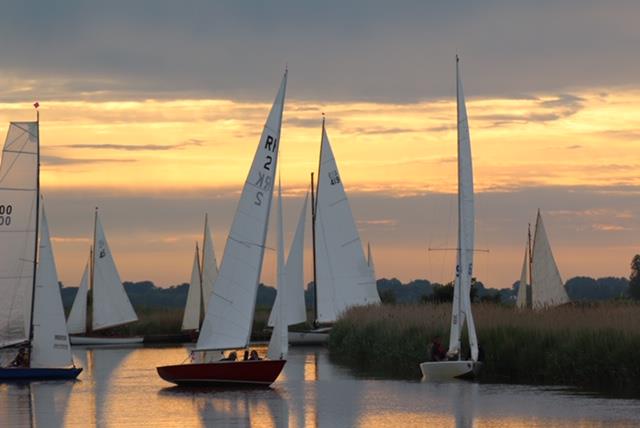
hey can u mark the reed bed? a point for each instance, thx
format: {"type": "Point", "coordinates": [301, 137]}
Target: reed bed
{"type": "Point", "coordinates": [588, 345]}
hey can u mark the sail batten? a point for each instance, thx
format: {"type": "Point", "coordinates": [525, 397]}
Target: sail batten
{"type": "Point", "coordinates": [229, 314]}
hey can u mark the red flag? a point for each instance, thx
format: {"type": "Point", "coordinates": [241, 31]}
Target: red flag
{"type": "Point", "coordinates": [36, 104]}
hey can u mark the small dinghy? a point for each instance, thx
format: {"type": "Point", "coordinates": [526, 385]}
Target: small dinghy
{"type": "Point", "coordinates": [455, 366]}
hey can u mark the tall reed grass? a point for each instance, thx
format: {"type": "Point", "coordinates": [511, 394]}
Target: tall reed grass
{"type": "Point", "coordinates": [587, 345]}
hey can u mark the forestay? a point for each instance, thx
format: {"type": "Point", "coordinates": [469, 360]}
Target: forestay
{"type": "Point", "coordinates": [111, 305]}
{"type": "Point", "coordinates": [279, 342]}
{"type": "Point", "coordinates": [18, 216]}
{"type": "Point", "coordinates": [209, 264]}
{"type": "Point", "coordinates": [50, 346]}
{"type": "Point", "coordinates": [229, 315]}
{"type": "Point", "coordinates": [191, 317]}
{"type": "Point", "coordinates": [77, 321]}
{"type": "Point", "coordinates": [547, 288]}
{"type": "Point", "coordinates": [461, 310]}
{"type": "Point", "coordinates": [343, 275]}
{"type": "Point", "coordinates": [294, 277]}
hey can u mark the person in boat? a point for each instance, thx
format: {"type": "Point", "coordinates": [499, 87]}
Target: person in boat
{"type": "Point", "coordinates": [438, 353]}
{"type": "Point", "coordinates": [246, 355]}
{"type": "Point", "coordinates": [21, 360]}
{"type": "Point", "coordinates": [254, 356]}
{"type": "Point", "coordinates": [233, 356]}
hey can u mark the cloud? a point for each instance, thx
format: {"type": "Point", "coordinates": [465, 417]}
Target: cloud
{"type": "Point", "coordinates": [136, 147]}
{"type": "Point", "coordinates": [50, 161]}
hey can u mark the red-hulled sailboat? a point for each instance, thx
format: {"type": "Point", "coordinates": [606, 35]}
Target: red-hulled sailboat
{"type": "Point", "coordinates": [229, 315]}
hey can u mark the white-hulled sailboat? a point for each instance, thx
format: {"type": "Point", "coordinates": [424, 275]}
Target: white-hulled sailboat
{"type": "Point", "coordinates": [31, 312]}
{"type": "Point", "coordinates": [455, 366]}
{"type": "Point", "coordinates": [229, 316]}
{"type": "Point", "coordinates": [203, 274]}
{"type": "Point", "coordinates": [111, 306]}
{"type": "Point", "coordinates": [540, 282]}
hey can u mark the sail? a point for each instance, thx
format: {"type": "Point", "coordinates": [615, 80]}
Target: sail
{"type": "Point", "coordinates": [50, 346]}
{"type": "Point", "coordinates": [466, 229]}
{"type": "Point", "coordinates": [279, 342]}
{"type": "Point", "coordinates": [229, 314]}
{"type": "Point", "coordinates": [111, 305]}
{"type": "Point", "coordinates": [344, 278]}
{"type": "Point", "coordinates": [521, 301]}
{"type": "Point", "coordinates": [370, 260]}
{"type": "Point", "coordinates": [209, 264]}
{"type": "Point", "coordinates": [296, 307]}
{"type": "Point", "coordinates": [191, 317]}
{"type": "Point", "coordinates": [547, 288]}
{"type": "Point", "coordinates": [18, 193]}
{"type": "Point", "coordinates": [77, 321]}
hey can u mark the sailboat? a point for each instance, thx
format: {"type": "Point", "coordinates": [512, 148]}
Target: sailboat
{"type": "Point", "coordinates": [111, 306]}
{"type": "Point", "coordinates": [455, 366]}
{"type": "Point", "coordinates": [540, 283]}
{"type": "Point", "coordinates": [31, 312]}
{"type": "Point", "coordinates": [229, 316]}
{"type": "Point", "coordinates": [203, 275]}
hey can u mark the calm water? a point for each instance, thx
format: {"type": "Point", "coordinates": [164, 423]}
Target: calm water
{"type": "Point", "coordinates": [120, 388]}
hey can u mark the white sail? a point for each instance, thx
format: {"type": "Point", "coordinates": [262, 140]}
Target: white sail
{"type": "Point", "coordinates": [344, 278]}
{"type": "Point", "coordinates": [77, 321]}
{"type": "Point", "coordinates": [279, 342]}
{"type": "Point", "coordinates": [466, 224]}
{"type": "Point", "coordinates": [547, 288]}
{"type": "Point", "coordinates": [296, 307]}
{"type": "Point", "coordinates": [370, 260]}
{"type": "Point", "coordinates": [191, 317]}
{"type": "Point", "coordinates": [50, 346]}
{"type": "Point", "coordinates": [521, 301]}
{"type": "Point", "coordinates": [209, 264]}
{"type": "Point", "coordinates": [230, 311]}
{"type": "Point", "coordinates": [111, 305]}
{"type": "Point", "coordinates": [18, 202]}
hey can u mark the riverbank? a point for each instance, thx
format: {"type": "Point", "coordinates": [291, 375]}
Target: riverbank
{"type": "Point", "coordinates": [594, 346]}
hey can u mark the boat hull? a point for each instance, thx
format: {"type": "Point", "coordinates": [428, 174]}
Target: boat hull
{"type": "Point", "coordinates": [312, 337]}
{"type": "Point", "coordinates": [443, 370]}
{"type": "Point", "coordinates": [28, 373]}
{"type": "Point", "coordinates": [89, 340]}
{"type": "Point", "coordinates": [239, 373]}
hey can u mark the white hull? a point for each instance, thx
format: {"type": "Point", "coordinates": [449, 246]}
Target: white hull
{"type": "Point", "coordinates": [86, 340]}
{"type": "Point", "coordinates": [312, 337]}
{"type": "Point", "coordinates": [443, 370]}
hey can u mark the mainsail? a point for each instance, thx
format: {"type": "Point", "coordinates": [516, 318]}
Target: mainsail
{"type": "Point", "coordinates": [547, 288]}
{"type": "Point", "coordinates": [111, 305]}
{"type": "Point", "coordinates": [343, 275]}
{"type": "Point", "coordinates": [77, 321]}
{"type": "Point", "coordinates": [191, 317]}
{"type": "Point", "coordinates": [230, 311]}
{"type": "Point", "coordinates": [209, 264]}
{"type": "Point", "coordinates": [461, 310]}
{"type": "Point", "coordinates": [370, 260]}
{"type": "Point", "coordinates": [50, 345]}
{"type": "Point", "coordinates": [18, 216]}
{"type": "Point", "coordinates": [294, 277]}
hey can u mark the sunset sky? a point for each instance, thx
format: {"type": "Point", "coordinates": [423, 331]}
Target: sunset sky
{"type": "Point", "coordinates": [152, 112]}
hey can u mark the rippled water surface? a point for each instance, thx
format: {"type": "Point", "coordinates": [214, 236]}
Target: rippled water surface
{"type": "Point", "coordinates": [120, 388]}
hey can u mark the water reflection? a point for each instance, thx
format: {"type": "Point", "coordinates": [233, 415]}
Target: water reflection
{"type": "Point", "coordinates": [120, 388]}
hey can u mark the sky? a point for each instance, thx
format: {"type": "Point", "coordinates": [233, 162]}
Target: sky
{"type": "Point", "coordinates": [152, 110]}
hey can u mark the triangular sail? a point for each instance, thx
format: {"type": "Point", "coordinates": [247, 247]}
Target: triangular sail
{"type": "Point", "coordinates": [18, 214]}
{"type": "Point", "coordinates": [209, 264]}
{"type": "Point", "coordinates": [50, 346]}
{"type": "Point", "coordinates": [279, 343]}
{"type": "Point", "coordinates": [191, 317]}
{"type": "Point", "coordinates": [229, 315]}
{"type": "Point", "coordinates": [370, 260]}
{"type": "Point", "coordinates": [344, 278]}
{"type": "Point", "coordinates": [77, 321]}
{"type": "Point", "coordinates": [466, 224]}
{"type": "Point", "coordinates": [111, 305]}
{"type": "Point", "coordinates": [294, 269]}
{"type": "Point", "coordinates": [547, 288]}
{"type": "Point", "coordinates": [521, 301]}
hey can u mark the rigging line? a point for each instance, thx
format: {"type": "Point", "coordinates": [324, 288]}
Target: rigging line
{"type": "Point", "coordinates": [19, 126]}
{"type": "Point", "coordinates": [16, 158]}
{"type": "Point", "coordinates": [250, 244]}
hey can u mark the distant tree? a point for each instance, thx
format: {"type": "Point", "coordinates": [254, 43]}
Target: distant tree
{"type": "Point", "coordinates": [388, 297]}
{"type": "Point", "coordinates": [634, 279]}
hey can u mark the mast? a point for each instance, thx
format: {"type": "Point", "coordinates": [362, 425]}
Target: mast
{"type": "Point", "coordinates": [459, 255]}
{"type": "Point", "coordinates": [35, 249]}
{"type": "Point", "coordinates": [92, 252]}
{"type": "Point", "coordinates": [314, 212]}
{"type": "Point", "coordinates": [529, 289]}
{"type": "Point", "coordinates": [203, 308]}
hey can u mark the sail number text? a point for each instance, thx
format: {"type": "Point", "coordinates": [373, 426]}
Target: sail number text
{"type": "Point", "coordinates": [5, 214]}
{"type": "Point", "coordinates": [264, 180]}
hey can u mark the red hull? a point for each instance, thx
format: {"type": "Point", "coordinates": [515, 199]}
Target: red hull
{"type": "Point", "coordinates": [250, 373]}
